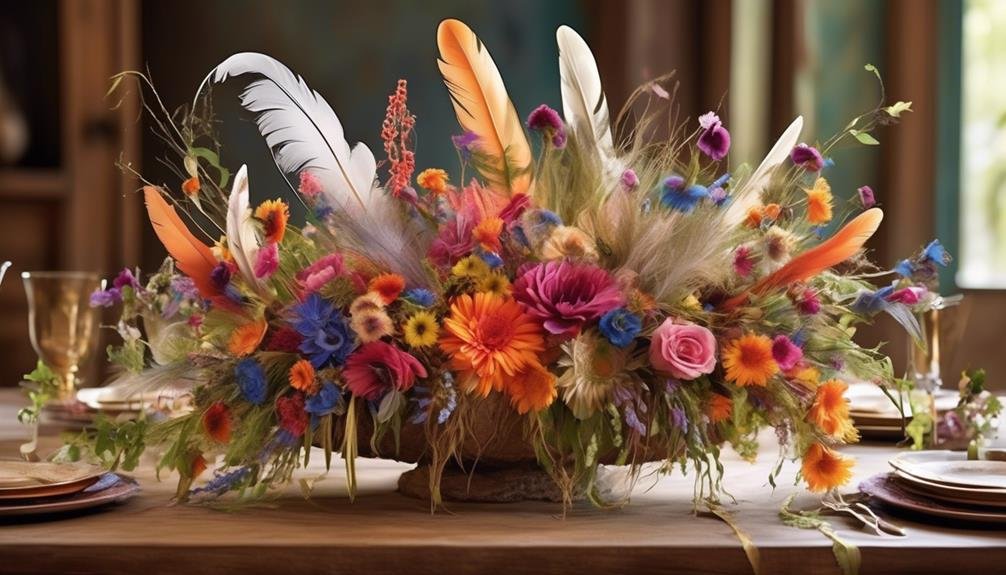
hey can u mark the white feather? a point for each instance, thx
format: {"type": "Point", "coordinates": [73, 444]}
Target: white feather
{"type": "Point", "coordinates": [241, 239]}
{"type": "Point", "coordinates": [584, 105]}
{"type": "Point", "coordinates": [748, 194]}
{"type": "Point", "coordinates": [304, 133]}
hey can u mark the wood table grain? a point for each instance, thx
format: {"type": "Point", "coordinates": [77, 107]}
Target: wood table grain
{"type": "Point", "coordinates": [383, 532]}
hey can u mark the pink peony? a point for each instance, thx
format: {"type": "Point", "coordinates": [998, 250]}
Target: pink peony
{"type": "Point", "coordinates": [786, 353]}
{"type": "Point", "coordinates": [266, 261]}
{"type": "Point", "coordinates": [683, 350]}
{"type": "Point", "coordinates": [565, 295]}
{"type": "Point", "coordinates": [315, 276]}
{"type": "Point", "coordinates": [377, 367]}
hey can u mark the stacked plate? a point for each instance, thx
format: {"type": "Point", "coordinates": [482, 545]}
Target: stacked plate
{"type": "Point", "coordinates": [877, 417]}
{"type": "Point", "coordinates": [943, 484]}
{"type": "Point", "coordinates": [30, 488]}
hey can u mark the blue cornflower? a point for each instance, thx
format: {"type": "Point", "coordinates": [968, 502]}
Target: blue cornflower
{"type": "Point", "coordinates": [492, 259]}
{"type": "Point", "coordinates": [904, 268]}
{"type": "Point", "coordinates": [872, 302]}
{"type": "Point", "coordinates": [935, 252]}
{"type": "Point", "coordinates": [620, 326]}
{"type": "Point", "coordinates": [251, 379]}
{"type": "Point", "coordinates": [676, 195]}
{"type": "Point", "coordinates": [327, 339]}
{"type": "Point", "coordinates": [421, 297]}
{"type": "Point", "coordinates": [223, 482]}
{"type": "Point", "coordinates": [326, 401]}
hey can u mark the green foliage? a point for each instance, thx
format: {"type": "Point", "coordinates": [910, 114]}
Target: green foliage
{"type": "Point", "coordinates": [42, 385]}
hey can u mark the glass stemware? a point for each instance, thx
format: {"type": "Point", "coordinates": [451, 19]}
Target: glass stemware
{"type": "Point", "coordinates": [61, 323]}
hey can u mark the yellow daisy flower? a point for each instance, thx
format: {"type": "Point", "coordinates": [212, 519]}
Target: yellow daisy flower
{"type": "Point", "coordinates": [421, 330]}
{"type": "Point", "coordinates": [471, 267]}
{"type": "Point", "coordinates": [494, 283]}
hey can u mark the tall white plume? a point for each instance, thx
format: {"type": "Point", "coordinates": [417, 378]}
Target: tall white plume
{"type": "Point", "coordinates": [749, 192]}
{"type": "Point", "coordinates": [304, 133]}
{"type": "Point", "coordinates": [584, 105]}
{"type": "Point", "coordinates": [241, 239]}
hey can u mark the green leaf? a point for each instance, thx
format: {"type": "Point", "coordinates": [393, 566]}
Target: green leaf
{"type": "Point", "coordinates": [213, 159]}
{"type": "Point", "coordinates": [864, 138]}
{"type": "Point", "coordinates": [895, 110]}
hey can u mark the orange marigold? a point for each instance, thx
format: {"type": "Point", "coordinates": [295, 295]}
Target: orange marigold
{"type": "Point", "coordinates": [487, 233]}
{"type": "Point", "coordinates": [823, 469]}
{"type": "Point", "coordinates": [387, 286]}
{"type": "Point", "coordinates": [490, 340]}
{"type": "Point", "coordinates": [434, 180]}
{"type": "Point", "coordinates": [217, 422]}
{"type": "Point", "coordinates": [302, 376]}
{"type": "Point", "coordinates": [720, 408]}
{"type": "Point", "coordinates": [819, 202]}
{"type": "Point", "coordinates": [191, 186]}
{"type": "Point", "coordinates": [772, 211]}
{"type": "Point", "coordinates": [273, 214]}
{"type": "Point", "coordinates": [830, 410]}
{"type": "Point", "coordinates": [532, 390]}
{"type": "Point", "coordinates": [748, 360]}
{"type": "Point", "coordinates": [246, 338]}
{"type": "Point", "coordinates": [754, 217]}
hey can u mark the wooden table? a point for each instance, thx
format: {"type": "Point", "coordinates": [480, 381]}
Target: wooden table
{"type": "Point", "coordinates": [383, 532]}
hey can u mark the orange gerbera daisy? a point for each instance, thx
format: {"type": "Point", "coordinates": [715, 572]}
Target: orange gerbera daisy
{"type": "Point", "coordinates": [823, 469]}
{"type": "Point", "coordinates": [302, 376]}
{"type": "Point", "coordinates": [273, 214]}
{"type": "Point", "coordinates": [246, 338]}
{"type": "Point", "coordinates": [490, 340]}
{"type": "Point", "coordinates": [819, 202]}
{"type": "Point", "coordinates": [748, 360]}
{"type": "Point", "coordinates": [532, 390]}
{"type": "Point", "coordinates": [434, 180]}
{"type": "Point", "coordinates": [487, 233]}
{"type": "Point", "coordinates": [217, 422]}
{"type": "Point", "coordinates": [720, 408]}
{"type": "Point", "coordinates": [388, 286]}
{"type": "Point", "coordinates": [830, 411]}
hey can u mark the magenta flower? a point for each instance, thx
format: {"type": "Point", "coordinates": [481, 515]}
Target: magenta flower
{"type": "Point", "coordinates": [310, 186]}
{"type": "Point", "coordinates": [714, 141]}
{"type": "Point", "coordinates": [808, 157]}
{"type": "Point", "coordinates": [908, 296]}
{"type": "Point", "coordinates": [808, 303]}
{"type": "Point", "coordinates": [630, 180]}
{"type": "Point", "coordinates": [786, 353]}
{"type": "Point", "coordinates": [565, 295]}
{"type": "Point", "coordinates": [867, 197]}
{"type": "Point", "coordinates": [547, 121]}
{"type": "Point", "coordinates": [376, 368]}
{"type": "Point", "coordinates": [516, 207]}
{"type": "Point", "coordinates": [743, 261]}
{"type": "Point", "coordinates": [315, 276]}
{"type": "Point", "coordinates": [465, 143]}
{"type": "Point", "coordinates": [266, 261]}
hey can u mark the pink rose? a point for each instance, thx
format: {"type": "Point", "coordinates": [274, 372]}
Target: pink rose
{"type": "Point", "coordinates": [683, 350]}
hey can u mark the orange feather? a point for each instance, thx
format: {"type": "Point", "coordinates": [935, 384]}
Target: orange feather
{"type": "Point", "coordinates": [194, 258]}
{"type": "Point", "coordinates": [482, 105]}
{"type": "Point", "coordinates": [835, 250]}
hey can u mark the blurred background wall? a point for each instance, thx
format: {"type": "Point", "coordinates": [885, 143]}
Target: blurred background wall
{"type": "Point", "coordinates": [65, 205]}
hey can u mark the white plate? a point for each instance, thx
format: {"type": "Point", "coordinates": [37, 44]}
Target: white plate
{"type": "Point", "coordinates": [19, 476]}
{"type": "Point", "coordinates": [953, 493]}
{"type": "Point", "coordinates": [109, 488]}
{"type": "Point", "coordinates": [952, 468]}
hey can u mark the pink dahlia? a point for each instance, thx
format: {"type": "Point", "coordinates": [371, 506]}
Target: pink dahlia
{"type": "Point", "coordinates": [377, 367]}
{"type": "Point", "coordinates": [565, 295]}
{"type": "Point", "coordinates": [786, 353]}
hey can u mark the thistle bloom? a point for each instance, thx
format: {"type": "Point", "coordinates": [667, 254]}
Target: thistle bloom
{"type": "Point", "coordinates": [808, 157]}
{"type": "Point", "coordinates": [371, 324]}
{"type": "Point", "coordinates": [823, 469]}
{"type": "Point", "coordinates": [327, 338]}
{"type": "Point", "coordinates": [434, 180]}
{"type": "Point", "coordinates": [217, 422]}
{"type": "Point", "coordinates": [251, 380]}
{"type": "Point", "coordinates": [421, 330]}
{"type": "Point", "coordinates": [565, 295]}
{"type": "Point", "coordinates": [388, 286]}
{"type": "Point", "coordinates": [819, 202]}
{"type": "Point", "coordinates": [786, 353]}
{"type": "Point", "coordinates": [274, 215]}
{"type": "Point", "coordinates": [620, 326]}
{"type": "Point", "coordinates": [866, 197]}
{"type": "Point", "coordinates": [246, 338]}
{"type": "Point", "coordinates": [547, 121]}
{"type": "Point", "coordinates": [748, 360]}
{"type": "Point", "coordinates": [302, 376]}
{"type": "Point", "coordinates": [714, 141]}
{"type": "Point", "coordinates": [684, 350]}
{"type": "Point", "coordinates": [377, 367]}
{"type": "Point", "coordinates": [490, 340]}
{"type": "Point", "coordinates": [743, 261]}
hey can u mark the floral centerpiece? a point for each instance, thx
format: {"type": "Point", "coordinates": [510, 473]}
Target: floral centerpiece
{"type": "Point", "coordinates": [577, 294]}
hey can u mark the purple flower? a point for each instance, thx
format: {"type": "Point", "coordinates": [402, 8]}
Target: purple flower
{"type": "Point", "coordinates": [544, 119]}
{"type": "Point", "coordinates": [105, 298]}
{"type": "Point", "coordinates": [184, 287]}
{"type": "Point", "coordinates": [786, 353]}
{"type": "Point", "coordinates": [465, 143]}
{"type": "Point", "coordinates": [714, 141]}
{"type": "Point", "coordinates": [683, 198]}
{"type": "Point", "coordinates": [125, 278]}
{"type": "Point", "coordinates": [566, 295]}
{"type": "Point", "coordinates": [559, 139]}
{"type": "Point", "coordinates": [221, 276]}
{"type": "Point", "coordinates": [808, 157]}
{"type": "Point", "coordinates": [327, 337]}
{"type": "Point", "coordinates": [679, 419]}
{"type": "Point", "coordinates": [866, 197]}
{"type": "Point", "coordinates": [630, 180]}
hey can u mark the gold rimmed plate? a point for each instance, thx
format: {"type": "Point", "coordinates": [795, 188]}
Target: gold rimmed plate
{"type": "Point", "coordinates": [951, 493]}
{"type": "Point", "coordinates": [109, 488]}
{"type": "Point", "coordinates": [32, 480]}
